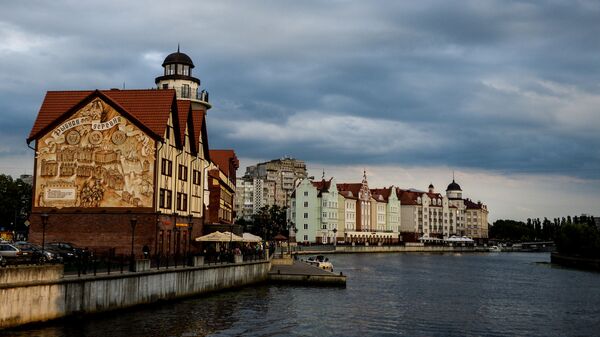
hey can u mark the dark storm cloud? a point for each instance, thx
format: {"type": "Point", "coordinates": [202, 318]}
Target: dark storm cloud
{"type": "Point", "coordinates": [509, 86]}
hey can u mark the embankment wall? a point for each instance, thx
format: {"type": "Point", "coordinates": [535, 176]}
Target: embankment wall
{"type": "Point", "coordinates": [37, 294]}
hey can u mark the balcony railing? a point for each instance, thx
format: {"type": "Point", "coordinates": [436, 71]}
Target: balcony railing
{"type": "Point", "coordinates": [187, 92]}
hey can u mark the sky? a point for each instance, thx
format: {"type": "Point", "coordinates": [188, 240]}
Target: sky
{"type": "Point", "coordinates": [505, 94]}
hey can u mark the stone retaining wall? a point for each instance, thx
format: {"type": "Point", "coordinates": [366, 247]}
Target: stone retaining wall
{"type": "Point", "coordinates": [35, 294]}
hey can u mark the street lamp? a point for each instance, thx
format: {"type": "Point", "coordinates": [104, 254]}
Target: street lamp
{"type": "Point", "coordinates": [44, 223]}
{"type": "Point", "coordinates": [190, 230]}
{"type": "Point", "coordinates": [133, 223]}
{"type": "Point", "coordinates": [335, 237]}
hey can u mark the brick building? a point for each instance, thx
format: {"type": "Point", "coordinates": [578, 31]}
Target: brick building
{"type": "Point", "coordinates": [221, 186]}
{"type": "Point", "coordinates": [108, 161]}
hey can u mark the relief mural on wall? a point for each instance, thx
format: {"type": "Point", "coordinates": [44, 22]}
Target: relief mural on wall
{"type": "Point", "coordinates": [96, 158]}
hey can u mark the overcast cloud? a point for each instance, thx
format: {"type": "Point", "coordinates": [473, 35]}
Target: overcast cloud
{"type": "Point", "coordinates": [506, 89]}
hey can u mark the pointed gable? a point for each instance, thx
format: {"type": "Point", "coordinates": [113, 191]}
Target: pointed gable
{"type": "Point", "coordinates": [149, 109]}
{"type": "Point", "coordinates": [183, 111]}
{"type": "Point", "coordinates": [227, 161]}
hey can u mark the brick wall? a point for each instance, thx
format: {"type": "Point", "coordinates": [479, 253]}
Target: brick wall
{"type": "Point", "coordinates": [104, 231]}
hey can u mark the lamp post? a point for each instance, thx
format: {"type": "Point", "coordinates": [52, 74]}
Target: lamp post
{"type": "Point", "coordinates": [44, 223]}
{"type": "Point", "coordinates": [190, 230]}
{"type": "Point", "coordinates": [133, 223]}
{"type": "Point", "coordinates": [335, 237]}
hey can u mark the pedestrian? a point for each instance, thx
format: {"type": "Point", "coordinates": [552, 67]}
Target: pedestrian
{"type": "Point", "coordinates": [146, 251]}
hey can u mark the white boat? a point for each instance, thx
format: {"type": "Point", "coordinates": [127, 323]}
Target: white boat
{"type": "Point", "coordinates": [494, 249]}
{"type": "Point", "coordinates": [320, 261]}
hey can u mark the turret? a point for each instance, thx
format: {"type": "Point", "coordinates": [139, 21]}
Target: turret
{"type": "Point", "coordinates": [178, 75]}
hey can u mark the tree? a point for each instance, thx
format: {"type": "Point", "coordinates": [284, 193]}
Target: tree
{"type": "Point", "coordinates": [268, 222]}
{"type": "Point", "coordinates": [15, 202]}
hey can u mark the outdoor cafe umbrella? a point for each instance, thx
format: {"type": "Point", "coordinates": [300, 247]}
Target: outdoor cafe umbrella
{"type": "Point", "coordinates": [280, 237]}
{"type": "Point", "coordinates": [232, 237]}
{"type": "Point", "coordinates": [248, 237]}
{"type": "Point", "coordinates": [215, 237]}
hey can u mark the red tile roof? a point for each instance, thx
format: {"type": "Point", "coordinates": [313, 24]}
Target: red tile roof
{"type": "Point", "coordinates": [227, 161]}
{"type": "Point", "coordinates": [473, 205]}
{"type": "Point", "coordinates": [150, 109]}
{"type": "Point", "coordinates": [199, 130]}
{"type": "Point", "coordinates": [183, 111]}
{"type": "Point", "coordinates": [353, 187]}
{"type": "Point", "coordinates": [383, 192]}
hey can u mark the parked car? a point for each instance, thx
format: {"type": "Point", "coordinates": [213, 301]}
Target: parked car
{"type": "Point", "coordinates": [13, 254]}
{"type": "Point", "coordinates": [68, 251]}
{"type": "Point", "coordinates": [51, 254]}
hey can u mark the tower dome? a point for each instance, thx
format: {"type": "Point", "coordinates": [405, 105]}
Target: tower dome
{"type": "Point", "coordinates": [453, 186]}
{"type": "Point", "coordinates": [178, 76]}
{"type": "Point", "coordinates": [454, 191]}
{"type": "Point", "coordinates": [431, 188]}
{"type": "Point", "coordinates": [178, 58]}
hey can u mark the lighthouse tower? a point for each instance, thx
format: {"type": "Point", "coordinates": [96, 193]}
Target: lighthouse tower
{"type": "Point", "coordinates": [178, 75]}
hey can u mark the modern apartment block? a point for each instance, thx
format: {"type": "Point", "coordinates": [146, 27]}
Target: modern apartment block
{"type": "Point", "coordinates": [268, 183]}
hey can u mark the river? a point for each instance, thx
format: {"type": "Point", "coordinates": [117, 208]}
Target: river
{"type": "Point", "coordinates": [495, 294]}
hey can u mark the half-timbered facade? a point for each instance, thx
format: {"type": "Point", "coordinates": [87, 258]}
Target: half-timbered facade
{"type": "Point", "coordinates": [113, 166]}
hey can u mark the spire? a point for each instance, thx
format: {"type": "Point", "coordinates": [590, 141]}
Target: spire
{"type": "Point", "coordinates": [364, 176]}
{"type": "Point", "coordinates": [178, 47]}
{"type": "Point", "coordinates": [452, 175]}
{"type": "Point", "coordinates": [323, 174]}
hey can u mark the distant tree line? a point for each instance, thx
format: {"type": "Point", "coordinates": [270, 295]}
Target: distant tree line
{"type": "Point", "coordinates": [576, 235]}
{"type": "Point", "coordinates": [268, 222]}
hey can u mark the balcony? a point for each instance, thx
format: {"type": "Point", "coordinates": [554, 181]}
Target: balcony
{"type": "Point", "coordinates": [187, 92]}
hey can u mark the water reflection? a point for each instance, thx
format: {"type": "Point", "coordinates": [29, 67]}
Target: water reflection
{"type": "Point", "coordinates": [387, 295]}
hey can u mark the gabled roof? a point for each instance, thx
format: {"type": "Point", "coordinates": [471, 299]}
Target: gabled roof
{"type": "Point", "coordinates": [353, 187]}
{"type": "Point", "coordinates": [322, 186]}
{"type": "Point", "coordinates": [383, 192]}
{"type": "Point", "coordinates": [148, 109]}
{"type": "Point", "coordinates": [184, 109]}
{"type": "Point", "coordinates": [227, 161]}
{"type": "Point", "coordinates": [199, 130]}
{"type": "Point", "coordinates": [407, 197]}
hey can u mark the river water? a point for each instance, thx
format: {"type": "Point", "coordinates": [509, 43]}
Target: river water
{"type": "Point", "coordinates": [495, 294]}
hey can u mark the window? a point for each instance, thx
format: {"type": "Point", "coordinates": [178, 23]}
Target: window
{"type": "Point", "coordinates": [182, 172]}
{"type": "Point", "coordinates": [305, 226]}
{"type": "Point", "coordinates": [305, 215]}
{"type": "Point", "coordinates": [186, 70]}
{"type": "Point", "coordinates": [185, 91]}
{"type": "Point", "coordinates": [168, 132]}
{"type": "Point", "coordinates": [306, 193]}
{"type": "Point", "coordinates": [167, 167]}
{"type": "Point", "coordinates": [305, 237]}
{"type": "Point", "coordinates": [165, 86]}
{"type": "Point", "coordinates": [165, 198]}
{"type": "Point", "coordinates": [324, 226]}
{"type": "Point", "coordinates": [196, 177]}
{"type": "Point", "coordinates": [181, 201]}
{"type": "Point", "coordinates": [306, 204]}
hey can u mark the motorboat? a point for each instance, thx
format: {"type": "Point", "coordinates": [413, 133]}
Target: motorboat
{"type": "Point", "coordinates": [320, 261]}
{"type": "Point", "coordinates": [494, 249]}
